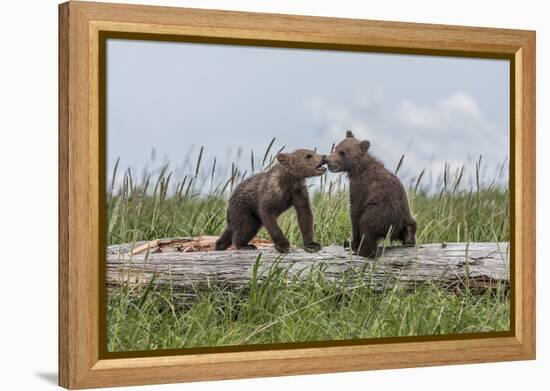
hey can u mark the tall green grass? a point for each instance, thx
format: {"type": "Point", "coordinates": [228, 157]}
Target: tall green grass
{"type": "Point", "coordinates": [278, 308]}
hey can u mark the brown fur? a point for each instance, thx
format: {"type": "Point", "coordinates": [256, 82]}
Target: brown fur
{"type": "Point", "coordinates": [260, 199]}
{"type": "Point", "coordinates": [378, 201]}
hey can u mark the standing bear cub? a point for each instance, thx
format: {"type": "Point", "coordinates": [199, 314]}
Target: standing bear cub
{"type": "Point", "coordinates": [260, 199]}
{"type": "Point", "coordinates": [378, 202]}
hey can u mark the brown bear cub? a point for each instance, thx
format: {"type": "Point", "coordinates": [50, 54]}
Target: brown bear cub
{"type": "Point", "coordinates": [378, 201]}
{"type": "Point", "coordinates": [260, 199]}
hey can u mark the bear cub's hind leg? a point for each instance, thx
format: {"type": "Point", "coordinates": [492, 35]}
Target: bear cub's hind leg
{"type": "Point", "coordinates": [224, 241]}
{"type": "Point", "coordinates": [244, 233]}
{"type": "Point", "coordinates": [367, 246]}
{"type": "Point", "coordinates": [407, 235]}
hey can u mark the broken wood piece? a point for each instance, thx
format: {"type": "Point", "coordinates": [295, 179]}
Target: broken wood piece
{"type": "Point", "coordinates": [189, 244]}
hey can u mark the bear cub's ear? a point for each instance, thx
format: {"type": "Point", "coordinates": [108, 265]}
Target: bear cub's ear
{"type": "Point", "coordinates": [282, 158]}
{"type": "Point", "coordinates": [349, 134]}
{"type": "Point", "coordinates": [364, 145]}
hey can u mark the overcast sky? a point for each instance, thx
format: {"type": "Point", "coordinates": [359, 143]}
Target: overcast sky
{"type": "Point", "coordinates": [175, 97]}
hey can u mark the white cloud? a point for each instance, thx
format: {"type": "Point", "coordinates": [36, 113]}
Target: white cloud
{"type": "Point", "coordinates": [448, 112]}
{"type": "Point", "coordinates": [460, 102]}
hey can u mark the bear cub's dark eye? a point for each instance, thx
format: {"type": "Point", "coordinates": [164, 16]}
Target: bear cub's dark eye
{"type": "Point", "coordinates": [309, 156]}
{"type": "Point", "coordinates": [342, 153]}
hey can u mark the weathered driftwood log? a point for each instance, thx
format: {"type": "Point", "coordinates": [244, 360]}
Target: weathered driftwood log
{"type": "Point", "coordinates": [185, 270]}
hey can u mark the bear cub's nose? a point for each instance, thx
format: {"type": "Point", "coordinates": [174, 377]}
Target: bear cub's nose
{"type": "Point", "coordinates": [324, 158]}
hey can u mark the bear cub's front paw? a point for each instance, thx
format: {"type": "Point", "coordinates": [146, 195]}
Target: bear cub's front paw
{"type": "Point", "coordinates": [283, 247]}
{"type": "Point", "coordinates": [312, 247]}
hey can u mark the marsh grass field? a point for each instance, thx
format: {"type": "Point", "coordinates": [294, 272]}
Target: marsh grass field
{"type": "Point", "coordinates": [278, 309]}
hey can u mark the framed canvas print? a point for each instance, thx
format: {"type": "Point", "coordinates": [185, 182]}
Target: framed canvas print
{"type": "Point", "coordinates": [247, 195]}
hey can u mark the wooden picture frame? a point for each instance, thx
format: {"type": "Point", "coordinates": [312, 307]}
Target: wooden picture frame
{"type": "Point", "coordinates": [82, 363]}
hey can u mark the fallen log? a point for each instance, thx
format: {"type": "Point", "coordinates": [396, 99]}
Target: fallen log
{"type": "Point", "coordinates": [184, 266]}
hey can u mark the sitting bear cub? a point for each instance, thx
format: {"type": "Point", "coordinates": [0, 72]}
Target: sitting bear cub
{"type": "Point", "coordinates": [260, 199]}
{"type": "Point", "coordinates": [378, 202]}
